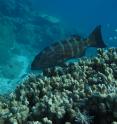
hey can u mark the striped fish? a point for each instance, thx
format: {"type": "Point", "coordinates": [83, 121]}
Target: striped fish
{"type": "Point", "coordinates": [74, 47]}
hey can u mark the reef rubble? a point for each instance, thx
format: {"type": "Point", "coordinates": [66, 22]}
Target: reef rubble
{"type": "Point", "coordinates": [83, 92]}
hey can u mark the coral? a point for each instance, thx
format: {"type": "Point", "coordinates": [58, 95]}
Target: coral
{"type": "Point", "coordinates": [84, 93]}
{"type": "Point", "coordinates": [83, 118]}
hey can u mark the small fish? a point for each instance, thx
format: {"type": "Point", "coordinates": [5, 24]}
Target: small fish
{"type": "Point", "coordinates": [74, 47]}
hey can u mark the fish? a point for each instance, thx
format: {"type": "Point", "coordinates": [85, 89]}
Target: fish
{"type": "Point", "coordinates": [74, 47]}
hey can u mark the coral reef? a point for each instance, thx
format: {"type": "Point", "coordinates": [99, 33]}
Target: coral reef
{"type": "Point", "coordinates": [83, 92]}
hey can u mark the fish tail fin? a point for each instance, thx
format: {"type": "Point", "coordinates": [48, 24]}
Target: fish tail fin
{"type": "Point", "coordinates": [95, 38]}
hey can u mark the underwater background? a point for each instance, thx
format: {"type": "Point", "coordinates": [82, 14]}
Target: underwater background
{"type": "Point", "coordinates": [29, 26]}
{"type": "Point", "coordinates": [59, 96]}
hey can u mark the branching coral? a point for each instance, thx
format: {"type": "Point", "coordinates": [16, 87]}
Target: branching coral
{"type": "Point", "coordinates": [83, 118]}
{"type": "Point", "coordinates": [81, 94]}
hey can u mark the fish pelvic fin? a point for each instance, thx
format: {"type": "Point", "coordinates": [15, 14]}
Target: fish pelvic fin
{"type": "Point", "coordinates": [95, 38]}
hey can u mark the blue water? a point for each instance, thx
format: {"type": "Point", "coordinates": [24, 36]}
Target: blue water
{"type": "Point", "coordinates": [84, 15]}
{"type": "Point", "coordinates": [21, 40]}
